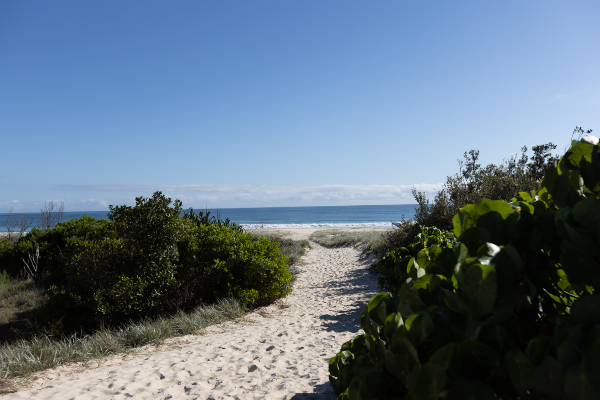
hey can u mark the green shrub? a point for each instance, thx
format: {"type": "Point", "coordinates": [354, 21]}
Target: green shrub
{"type": "Point", "coordinates": [396, 267]}
{"type": "Point", "coordinates": [204, 218]}
{"type": "Point", "coordinates": [123, 269]}
{"type": "Point", "coordinates": [51, 244]}
{"type": "Point", "coordinates": [509, 313]}
{"type": "Point", "coordinates": [219, 262]}
{"type": "Point", "coordinates": [473, 183]}
{"type": "Point", "coordinates": [148, 261]}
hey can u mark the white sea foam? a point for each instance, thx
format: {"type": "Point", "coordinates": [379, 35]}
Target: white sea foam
{"type": "Point", "coordinates": [320, 225]}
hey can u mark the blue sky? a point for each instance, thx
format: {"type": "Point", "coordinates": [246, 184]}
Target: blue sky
{"type": "Point", "coordinates": [281, 103]}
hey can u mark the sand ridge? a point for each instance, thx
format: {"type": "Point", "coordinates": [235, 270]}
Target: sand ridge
{"type": "Point", "coordinates": [279, 352]}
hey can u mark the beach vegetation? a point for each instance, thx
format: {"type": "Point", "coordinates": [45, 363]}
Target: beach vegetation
{"type": "Point", "coordinates": [42, 351]}
{"type": "Point", "coordinates": [509, 311]}
{"type": "Point", "coordinates": [368, 239]}
{"type": "Point", "coordinates": [474, 182]}
{"type": "Point", "coordinates": [471, 184]}
{"type": "Point", "coordinates": [394, 268]}
{"type": "Point", "coordinates": [145, 261]}
{"type": "Point", "coordinates": [292, 249]}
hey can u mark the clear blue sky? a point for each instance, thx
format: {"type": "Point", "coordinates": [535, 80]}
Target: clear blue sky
{"type": "Point", "coordinates": [281, 103]}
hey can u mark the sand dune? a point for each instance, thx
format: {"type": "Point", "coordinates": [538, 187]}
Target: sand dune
{"type": "Point", "coordinates": [279, 352]}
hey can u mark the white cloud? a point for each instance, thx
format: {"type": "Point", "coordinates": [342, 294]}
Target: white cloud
{"type": "Point", "coordinates": [229, 195]}
{"type": "Point", "coordinates": [99, 197]}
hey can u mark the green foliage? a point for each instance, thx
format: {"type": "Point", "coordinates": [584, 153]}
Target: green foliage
{"type": "Point", "coordinates": [509, 312]}
{"type": "Point", "coordinates": [148, 261]}
{"type": "Point", "coordinates": [204, 218]}
{"type": "Point", "coordinates": [218, 262]}
{"type": "Point", "coordinates": [51, 243]}
{"type": "Point", "coordinates": [369, 239]}
{"type": "Point", "coordinates": [124, 273]}
{"type": "Point", "coordinates": [474, 182]}
{"type": "Point", "coordinates": [396, 266]}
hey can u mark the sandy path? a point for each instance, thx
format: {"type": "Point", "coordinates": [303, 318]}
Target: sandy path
{"type": "Point", "coordinates": [280, 353]}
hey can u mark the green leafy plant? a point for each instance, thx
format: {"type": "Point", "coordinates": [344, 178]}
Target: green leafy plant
{"type": "Point", "coordinates": [509, 313]}
{"type": "Point", "coordinates": [124, 273]}
{"type": "Point", "coordinates": [204, 218]}
{"type": "Point", "coordinates": [474, 182]}
{"type": "Point", "coordinates": [398, 265]}
{"type": "Point", "coordinates": [217, 262]}
{"type": "Point", "coordinates": [147, 261]}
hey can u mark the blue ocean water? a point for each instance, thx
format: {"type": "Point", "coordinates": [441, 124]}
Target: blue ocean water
{"type": "Point", "coordinates": [282, 217]}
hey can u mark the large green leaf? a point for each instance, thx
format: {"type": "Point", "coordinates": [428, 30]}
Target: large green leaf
{"type": "Point", "coordinates": [414, 270]}
{"type": "Point", "coordinates": [480, 288]}
{"type": "Point", "coordinates": [445, 356]}
{"type": "Point", "coordinates": [509, 268]}
{"type": "Point", "coordinates": [587, 213]}
{"type": "Point", "coordinates": [580, 267]}
{"type": "Point", "coordinates": [497, 227]}
{"type": "Point", "coordinates": [586, 310]}
{"type": "Point", "coordinates": [393, 322]}
{"type": "Point", "coordinates": [471, 389]}
{"type": "Point", "coordinates": [548, 378]}
{"type": "Point", "coordinates": [491, 335]}
{"type": "Point", "coordinates": [476, 359]}
{"type": "Point", "coordinates": [549, 177]}
{"type": "Point", "coordinates": [591, 344]}
{"type": "Point", "coordinates": [377, 307]}
{"type": "Point", "coordinates": [520, 370]}
{"type": "Point", "coordinates": [590, 171]}
{"type": "Point", "coordinates": [568, 350]}
{"type": "Point", "coordinates": [405, 354]}
{"type": "Point", "coordinates": [429, 382]}
{"type": "Point", "coordinates": [581, 380]}
{"type": "Point", "coordinates": [429, 282]}
{"type": "Point", "coordinates": [576, 153]}
{"type": "Point", "coordinates": [458, 221]}
{"type": "Point", "coordinates": [504, 308]}
{"type": "Point", "coordinates": [562, 190]}
{"type": "Point", "coordinates": [537, 348]}
{"type": "Point", "coordinates": [455, 302]}
{"type": "Point", "coordinates": [474, 238]}
{"type": "Point", "coordinates": [419, 326]}
{"type": "Point", "coordinates": [474, 211]}
{"type": "Point", "coordinates": [365, 322]}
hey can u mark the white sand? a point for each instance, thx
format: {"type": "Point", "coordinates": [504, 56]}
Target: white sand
{"type": "Point", "coordinates": [281, 352]}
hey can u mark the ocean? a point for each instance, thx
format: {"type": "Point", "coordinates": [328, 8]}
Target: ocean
{"type": "Point", "coordinates": [282, 217]}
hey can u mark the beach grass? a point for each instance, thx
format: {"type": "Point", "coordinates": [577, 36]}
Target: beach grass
{"type": "Point", "coordinates": [23, 357]}
{"type": "Point", "coordinates": [271, 234]}
{"type": "Point", "coordinates": [18, 299]}
{"type": "Point", "coordinates": [371, 239]}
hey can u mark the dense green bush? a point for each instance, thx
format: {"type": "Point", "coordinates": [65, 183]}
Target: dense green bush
{"type": "Point", "coordinates": [509, 313]}
{"type": "Point", "coordinates": [398, 265]}
{"type": "Point", "coordinates": [51, 244]}
{"type": "Point", "coordinates": [125, 272]}
{"type": "Point", "coordinates": [204, 218]}
{"type": "Point", "coordinates": [219, 262]}
{"type": "Point", "coordinates": [147, 260]}
{"type": "Point", "coordinates": [473, 183]}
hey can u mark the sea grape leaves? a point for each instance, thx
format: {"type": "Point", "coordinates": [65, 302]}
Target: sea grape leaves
{"type": "Point", "coordinates": [480, 288]}
{"type": "Point", "coordinates": [476, 359]}
{"type": "Point", "coordinates": [520, 370]}
{"type": "Point", "coordinates": [419, 326]}
{"type": "Point", "coordinates": [586, 310]}
{"type": "Point", "coordinates": [471, 389]}
{"type": "Point", "coordinates": [547, 379]}
{"type": "Point", "coordinates": [429, 382]}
